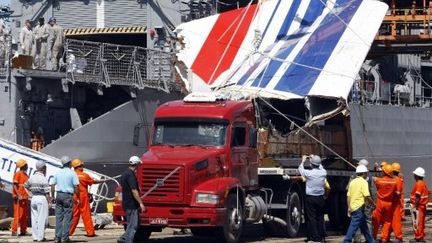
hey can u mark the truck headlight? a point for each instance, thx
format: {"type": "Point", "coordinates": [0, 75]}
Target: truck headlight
{"type": "Point", "coordinates": [207, 198]}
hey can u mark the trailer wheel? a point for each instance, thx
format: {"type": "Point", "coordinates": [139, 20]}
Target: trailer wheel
{"type": "Point", "coordinates": [293, 217]}
{"type": "Point", "coordinates": [231, 231]}
{"type": "Point", "coordinates": [142, 235]}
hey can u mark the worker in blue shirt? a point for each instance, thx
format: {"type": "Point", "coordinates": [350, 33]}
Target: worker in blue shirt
{"type": "Point", "coordinates": [315, 202]}
{"type": "Point", "coordinates": [65, 183]}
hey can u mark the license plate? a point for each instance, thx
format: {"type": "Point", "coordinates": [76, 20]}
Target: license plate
{"type": "Point", "coordinates": [158, 221]}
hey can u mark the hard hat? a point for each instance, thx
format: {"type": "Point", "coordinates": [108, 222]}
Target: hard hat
{"type": "Point", "coordinates": [388, 169]}
{"type": "Point", "coordinates": [361, 169]}
{"type": "Point", "coordinates": [315, 160]}
{"type": "Point", "coordinates": [40, 165]}
{"type": "Point", "coordinates": [383, 164]}
{"type": "Point", "coordinates": [134, 160]}
{"type": "Point", "coordinates": [21, 163]}
{"type": "Point", "coordinates": [419, 171]}
{"type": "Point", "coordinates": [77, 163]}
{"type": "Point", "coordinates": [51, 19]}
{"type": "Point", "coordinates": [65, 159]}
{"type": "Point", "coordinates": [363, 162]}
{"type": "Point", "coordinates": [396, 167]}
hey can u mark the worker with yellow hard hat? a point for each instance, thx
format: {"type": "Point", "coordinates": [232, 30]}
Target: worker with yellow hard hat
{"type": "Point", "coordinates": [383, 213]}
{"type": "Point", "coordinates": [398, 202]}
{"type": "Point", "coordinates": [20, 199]}
{"type": "Point", "coordinates": [82, 203]}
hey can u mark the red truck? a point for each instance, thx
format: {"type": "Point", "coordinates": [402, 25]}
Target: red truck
{"type": "Point", "coordinates": [213, 166]}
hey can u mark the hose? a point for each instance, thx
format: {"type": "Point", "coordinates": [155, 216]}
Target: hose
{"type": "Point", "coordinates": [275, 219]}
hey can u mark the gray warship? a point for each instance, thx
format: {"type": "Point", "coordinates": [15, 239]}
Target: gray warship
{"type": "Point", "coordinates": [118, 66]}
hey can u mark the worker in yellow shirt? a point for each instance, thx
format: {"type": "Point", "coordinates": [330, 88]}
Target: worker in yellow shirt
{"type": "Point", "coordinates": [358, 194]}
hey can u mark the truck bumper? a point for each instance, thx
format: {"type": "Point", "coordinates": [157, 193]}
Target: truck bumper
{"type": "Point", "coordinates": [183, 216]}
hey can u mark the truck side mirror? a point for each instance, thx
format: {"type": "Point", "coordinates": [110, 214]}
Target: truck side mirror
{"type": "Point", "coordinates": [253, 137]}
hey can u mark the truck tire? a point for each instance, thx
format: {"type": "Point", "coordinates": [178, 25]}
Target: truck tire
{"type": "Point", "coordinates": [142, 235]}
{"type": "Point", "coordinates": [231, 231]}
{"type": "Point", "coordinates": [293, 217]}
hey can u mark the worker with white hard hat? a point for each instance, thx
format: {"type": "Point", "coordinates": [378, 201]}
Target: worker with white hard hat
{"type": "Point", "coordinates": [419, 200]}
{"type": "Point", "coordinates": [39, 188]}
{"type": "Point", "coordinates": [358, 237]}
{"type": "Point", "coordinates": [131, 199]}
{"type": "Point", "coordinates": [315, 201]}
{"type": "Point", "coordinates": [363, 162]}
{"type": "Point", "coordinates": [358, 194]}
{"type": "Point", "coordinates": [65, 183]}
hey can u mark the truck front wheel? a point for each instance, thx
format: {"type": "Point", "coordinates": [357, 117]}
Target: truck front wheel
{"type": "Point", "coordinates": [231, 231]}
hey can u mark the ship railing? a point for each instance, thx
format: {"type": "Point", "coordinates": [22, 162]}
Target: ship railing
{"type": "Point", "coordinates": [369, 92]}
{"type": "Point", "coordinates": [411, 23]}
{"type": "Point", "coordinates": [110, 64]}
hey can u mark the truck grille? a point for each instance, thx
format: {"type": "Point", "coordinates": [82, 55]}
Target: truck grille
{"type": "Point", "coordinates": [171, 190]}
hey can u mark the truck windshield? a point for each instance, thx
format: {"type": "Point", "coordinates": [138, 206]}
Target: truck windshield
{"type": "Point", "coordinates": [187, 133]}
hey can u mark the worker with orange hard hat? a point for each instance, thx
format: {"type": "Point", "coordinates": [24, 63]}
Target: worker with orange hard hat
{"type": "Point", "coordinates": [386, 193]}
{"type": "Point", "coordinates": [20, 199]}
{"type": "Point", "coordinates": [82, 204]}
{"type": "Point", "coordinates": [398, 202]}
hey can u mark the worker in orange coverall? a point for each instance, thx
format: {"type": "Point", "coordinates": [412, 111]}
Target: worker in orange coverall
{"type": "Point", "coordinates": [20, 199]}
{"type": "Point", "coordinates": [419, 200]}
{"type": "Point", "coordinates": [386, 193]}
{"type": "Point", "coordinates": [398, 203]}
{"type": "Point", "coordinates": [82, 204]}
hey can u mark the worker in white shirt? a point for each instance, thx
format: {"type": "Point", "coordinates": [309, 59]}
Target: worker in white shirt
{"type": "Point", "coordinates": [26, 38]}
{"type": "Point", "coordinates": [41, 33]}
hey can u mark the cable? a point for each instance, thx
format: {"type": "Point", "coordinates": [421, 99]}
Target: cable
{"type": "Point", "coordinates": [343, 22]}
{"type": "Point", "coordinates": [307, 133]}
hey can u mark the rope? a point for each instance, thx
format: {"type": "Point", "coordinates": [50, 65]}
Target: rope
{"type": "Point", "coordinates": [307, 133]}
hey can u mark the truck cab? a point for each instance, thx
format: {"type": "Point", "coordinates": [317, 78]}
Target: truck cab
{"type": "Point", "coordinates": [201, 164]}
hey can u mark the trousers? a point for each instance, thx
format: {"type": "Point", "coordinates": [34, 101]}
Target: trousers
{"type": "Point", "coordinates": [358, 237]}
{"type": "Point", "coordinates": [63, 212]}
{"type": "Point", "coordinates": [41, 54]}
{"type": "Point", "coordinates": [82, 209]}
{"type": "Point", "coordinates": [20, 211]}
{"type": "Point", "coordinates": [382, 215]}
{"type": "Point", "coordinates": [397, 221]}
{"type": "Point", "coordinates": [420, 232]}
{"type": "Point", "coordinates": [315, 217]}
{"type": "Point", "coordinates": [56, 55]}
{"type": "Point", "coordinates": [358, 221]}
{"type": "Point", "coordinates": [39, 211]}
{"type": "Point", "coordinates": [132, 226]}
